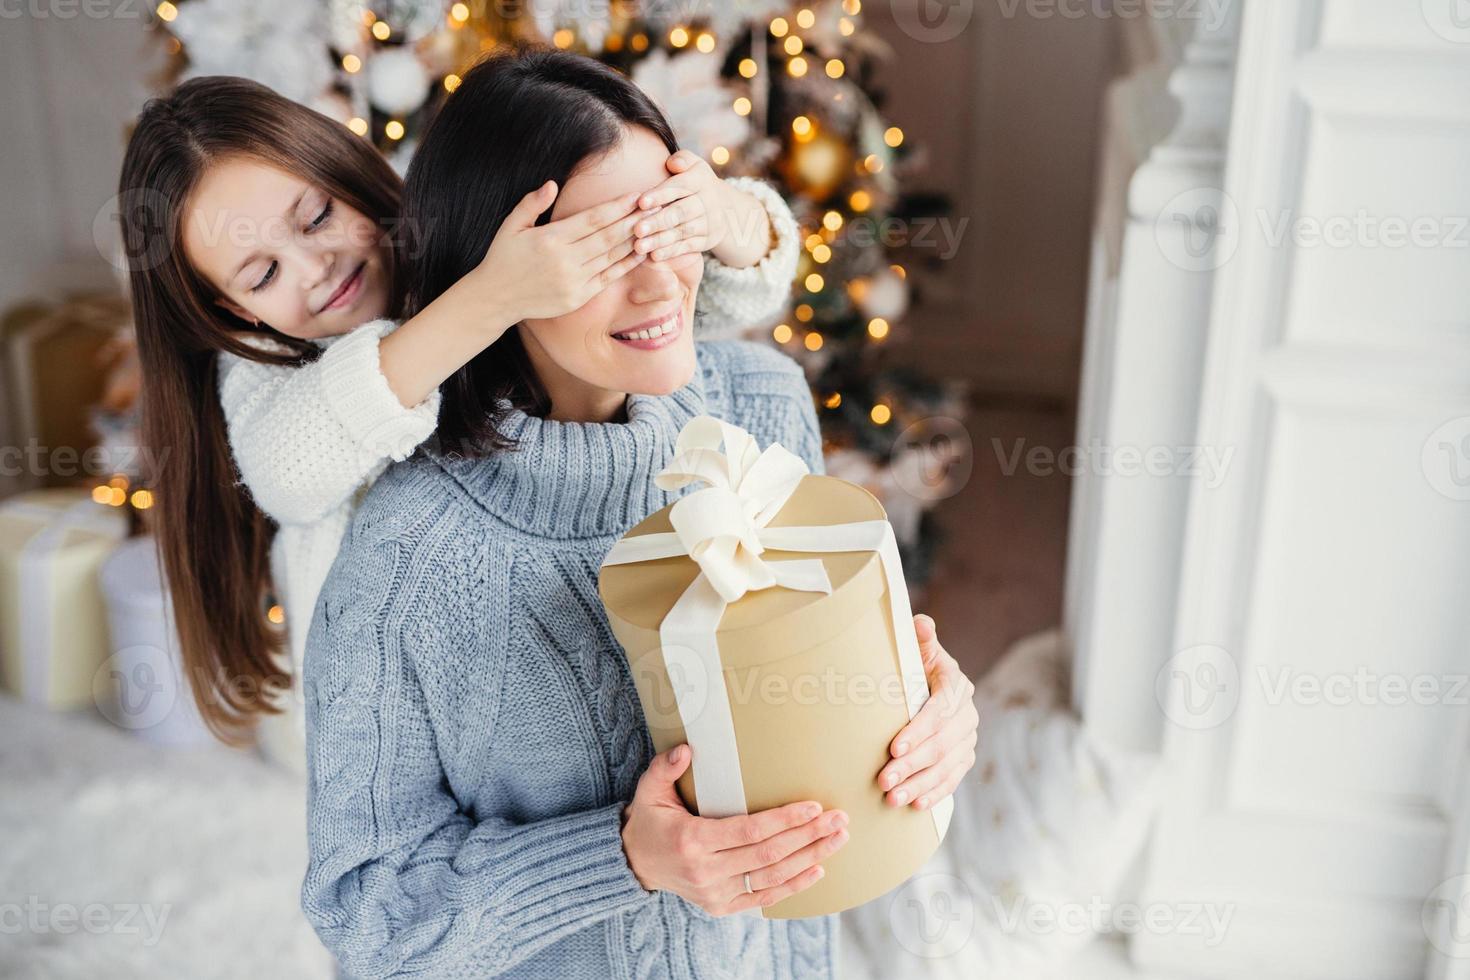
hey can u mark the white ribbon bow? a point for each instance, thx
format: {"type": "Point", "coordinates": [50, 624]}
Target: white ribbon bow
{"type": "Point", "coordinates": [720, 526]}
{"type": "Point", "coordinates": [724, 528]}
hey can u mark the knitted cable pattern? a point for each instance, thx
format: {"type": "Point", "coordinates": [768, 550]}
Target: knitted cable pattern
{"type": "Point", "coordinates": [473, 729]}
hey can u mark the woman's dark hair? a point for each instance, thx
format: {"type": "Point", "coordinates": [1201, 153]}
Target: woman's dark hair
{"type": "Point", "coordinates": [517, 120]}
{"type": "Point", "coordinates": [214, 543]}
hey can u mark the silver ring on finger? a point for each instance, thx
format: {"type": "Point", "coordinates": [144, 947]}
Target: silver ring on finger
{"type": "Point", "coordinates": [748, 889]}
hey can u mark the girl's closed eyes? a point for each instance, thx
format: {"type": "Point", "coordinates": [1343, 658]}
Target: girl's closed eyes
{"type": "Point", "coordinates": [316, 223]}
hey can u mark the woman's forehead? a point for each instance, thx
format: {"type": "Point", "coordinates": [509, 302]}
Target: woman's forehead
{"type": "Point", "coordinates": [635, 164]}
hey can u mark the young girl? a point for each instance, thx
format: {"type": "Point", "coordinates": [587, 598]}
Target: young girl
{"type": "Point", "coordinates": [266, 257]}
{"type": "Point", "coordinates": [483, 798]}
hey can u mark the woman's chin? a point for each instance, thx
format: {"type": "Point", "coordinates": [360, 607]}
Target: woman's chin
{"type": "Point", "coordinates": [666, 372]}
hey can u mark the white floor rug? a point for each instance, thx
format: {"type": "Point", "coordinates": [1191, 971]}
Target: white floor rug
{"type": "Point", "coordinates": [124, 860]}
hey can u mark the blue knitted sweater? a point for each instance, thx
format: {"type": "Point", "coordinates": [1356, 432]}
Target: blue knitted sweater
{"type": "Point", "coordinates": [472, 727]}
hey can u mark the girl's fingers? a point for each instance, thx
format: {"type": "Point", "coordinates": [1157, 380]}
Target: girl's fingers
{"type": "Point", "coordinates": [671, 190]}
{"type": "Point", "coordinates": [695, 228]}
{"type": "Point", "coordinates": [609, 258]}
{"type": "Point", "coordinates": [681, 161]}
{"type": "Point", "coordinates": [618, 270]}
{"type": "Point", "coordinates": [696, 244]}
{"type": "Point", "coordinates": [524, 214]}
{"type": "Point", "coordinates": [576, 227]}
{"type": "Point", "coordinates": [668, 216]}
{"type": "Point", "coordinates": [597, 244]}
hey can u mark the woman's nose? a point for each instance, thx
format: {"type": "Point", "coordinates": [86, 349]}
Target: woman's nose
{"type": "Point", "coordinates": [652, 282]}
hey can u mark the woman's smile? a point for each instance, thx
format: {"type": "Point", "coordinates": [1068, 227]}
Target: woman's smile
{"type": "Point", "coordinates": [653, 334]}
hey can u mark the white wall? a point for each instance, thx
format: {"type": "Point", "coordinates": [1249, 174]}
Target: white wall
{"type": "Point", "coordinates": [1007, 110]}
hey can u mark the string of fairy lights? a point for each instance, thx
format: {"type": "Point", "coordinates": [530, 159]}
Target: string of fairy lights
{"type": "Point", "coordinates": [833, 178]}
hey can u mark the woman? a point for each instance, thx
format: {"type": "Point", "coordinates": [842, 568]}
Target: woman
{"type": "Point", "coordinates": [483, 797]}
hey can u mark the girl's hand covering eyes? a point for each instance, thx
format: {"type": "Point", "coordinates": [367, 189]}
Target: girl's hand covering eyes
{"type": "Point", "coordinates": [699, 212]}
{"type": "Point", "coordinates": [536, 272]}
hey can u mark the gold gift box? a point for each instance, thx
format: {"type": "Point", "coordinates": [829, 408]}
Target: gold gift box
{"type": "Point", "coordinates": [815, 691]}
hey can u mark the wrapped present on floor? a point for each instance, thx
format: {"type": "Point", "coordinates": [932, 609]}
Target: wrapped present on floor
{"type": "Point", "coordinates": [53, 622]}
{"type": "Point", "coordinates": [56, 365]}
{"type": "Point", "coordinates": [767, 623]}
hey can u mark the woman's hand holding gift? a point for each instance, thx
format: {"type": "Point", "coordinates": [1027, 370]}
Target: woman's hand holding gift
{"type": "Point", "coordinates": [706, 860]}
{"type": "Point", "coordinates": [696, 211]}
{"type": "Point", "coordinates": [932, 753]}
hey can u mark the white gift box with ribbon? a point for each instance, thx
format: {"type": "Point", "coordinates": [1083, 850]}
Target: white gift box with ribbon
{"type": "Point", "coordinates": [53, 623]}
{"type": "Point", "coordinates": [767, 623]}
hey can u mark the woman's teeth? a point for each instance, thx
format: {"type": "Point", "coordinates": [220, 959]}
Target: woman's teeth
{"type": "Point", "coordinates": [657, 330]}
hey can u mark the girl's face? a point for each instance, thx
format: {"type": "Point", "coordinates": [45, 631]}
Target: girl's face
{"type": "Point", "coordinates": [588, 359]}
{"type": "Point", "coordinates": [282, 252]}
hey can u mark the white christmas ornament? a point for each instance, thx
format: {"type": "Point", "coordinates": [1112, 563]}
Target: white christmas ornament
{"type": "Point", "coordinates": [698, 105]}
{"type": "Point", "coordinates": [398, 83]}
{"type": "Point", "coordinates": [279, 43]}
{"type": "Point", "coordinates": [347, 27]}
{"type": "Point", "coordinates": [887, 296]}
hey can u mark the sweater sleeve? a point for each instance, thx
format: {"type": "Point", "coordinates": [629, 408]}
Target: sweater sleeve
{"type": "Point", "coordinates": [401, 879]}
{"type": "Point", "coordinates": [306, 438]}
{"type": "Point", "coordinates": [732, 299]}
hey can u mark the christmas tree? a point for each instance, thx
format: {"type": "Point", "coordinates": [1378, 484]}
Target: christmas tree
{"type": "Point", "coordinates": [758, 88]}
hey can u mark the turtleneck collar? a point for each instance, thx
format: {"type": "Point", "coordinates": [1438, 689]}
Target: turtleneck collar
{"type": "Point", "coordinates": [586, 479]}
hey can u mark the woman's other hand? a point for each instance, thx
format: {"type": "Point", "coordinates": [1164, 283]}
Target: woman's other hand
{"type": "Point", "coordinates": [932, 753]}
{"type": "Point", "coordinates": [705, 860]}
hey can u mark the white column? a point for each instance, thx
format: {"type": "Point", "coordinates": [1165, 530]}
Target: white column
{"type": "Point", "coordinates": [1140, 399]}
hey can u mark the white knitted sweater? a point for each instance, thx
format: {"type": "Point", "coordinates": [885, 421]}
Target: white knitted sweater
{"type": "Point", "coordinates": [309, 440]}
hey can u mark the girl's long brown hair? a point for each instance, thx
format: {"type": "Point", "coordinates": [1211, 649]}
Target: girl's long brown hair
{"type": "Point", "coordinates": [214, 542]}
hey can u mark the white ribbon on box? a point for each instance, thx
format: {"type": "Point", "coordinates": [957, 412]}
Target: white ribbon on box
{"type": "Point", "coordinates": [724, 529]}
